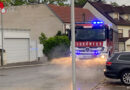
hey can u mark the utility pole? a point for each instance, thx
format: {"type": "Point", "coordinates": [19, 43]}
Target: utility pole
{"type": "Point", "coordinates": [2, 11]}
{"type": "Point", "coordinates": [2, 40]}
{"type": "Point", "coordinates": [73, 44]}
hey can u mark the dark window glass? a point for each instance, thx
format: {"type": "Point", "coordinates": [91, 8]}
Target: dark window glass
{"type": "Point", "coordinates": [90, 35]}
{"type": "Point", "coordinates": [125, 57]}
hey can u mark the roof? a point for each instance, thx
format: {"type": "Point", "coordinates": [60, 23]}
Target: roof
{"type": "Point", "coordinates": [123, 39]}
{"type": "Point", "coordinates": [64, 13]}
{"type": "Point", "coordinates": [105, 9]}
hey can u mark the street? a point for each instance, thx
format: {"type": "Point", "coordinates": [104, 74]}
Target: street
{"type": "Point", "coordinates": [57, 76]}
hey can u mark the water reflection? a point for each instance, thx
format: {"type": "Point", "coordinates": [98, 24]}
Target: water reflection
{"type": "Point", "coordinates": [88, 72]}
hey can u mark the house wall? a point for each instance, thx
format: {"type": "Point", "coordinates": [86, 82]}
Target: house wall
{"type": "Point", "coordinates": [121, 46]}
{"type": "Point", "coordinates": [125, 16]}
{"type": "Point", "coordinates": [125, 30]}
{"type": "Point", "coordinates": [95, 12]}
{"type": "Point", "coordinates": [38, 18]}
{"type": "Point", "coordinates": [128, 45]}
{"type": "Point", "coordinates": [114, 15]}
{"type": "Point", "coordinates": [125, 34]}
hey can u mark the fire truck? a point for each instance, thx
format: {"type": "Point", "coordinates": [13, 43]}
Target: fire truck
{"type": "Point", "coordinates": [95, 39]}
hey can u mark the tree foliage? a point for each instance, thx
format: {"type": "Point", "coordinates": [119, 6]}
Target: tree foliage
{"type": "Point", "coordinates": [58, 2]}
{"type": "Point", "coordinates": [79, 3]}
{"type": "Point", "coordinates": [42, 38]}
{"type": "Point", "coordinates": [55, 46]}
{"type": "Point", "coordinates": [6, 2]}
{"type": "Point", "coordinates": [21, 2]}
{"type": "Point", "coordinates": [114, 4]}
{"type": "Point", "coordinates": [18, 2]}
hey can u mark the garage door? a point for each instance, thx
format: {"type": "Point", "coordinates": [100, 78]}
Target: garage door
{"type": "Point", "coordinates": [128, 47]}
{"type": "Point", "coordinates": [17, 50]}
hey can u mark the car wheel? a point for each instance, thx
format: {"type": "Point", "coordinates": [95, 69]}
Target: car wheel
{"type": "Point", "coordinates": [125, 77]}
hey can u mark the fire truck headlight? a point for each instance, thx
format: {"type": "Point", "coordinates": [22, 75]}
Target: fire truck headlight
{"type": "Point", "coordinates": [103, 56]}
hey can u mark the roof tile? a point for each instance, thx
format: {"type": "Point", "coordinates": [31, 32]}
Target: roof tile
{"type": "Point", "coordinates": [64, 13]}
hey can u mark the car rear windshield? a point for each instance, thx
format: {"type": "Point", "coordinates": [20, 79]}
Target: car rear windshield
{"type": "Point", "coordinates": [124, 57]}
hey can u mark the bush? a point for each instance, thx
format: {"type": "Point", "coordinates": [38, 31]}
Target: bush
{"type": "Point", "coordinates": [57, 46]}
{"type": "Point", "coordinates": [53, 44]}
{"type": "Point", "coordinates": [42, 38]}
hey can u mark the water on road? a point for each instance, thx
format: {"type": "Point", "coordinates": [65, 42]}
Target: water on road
{"type": "Point", "coordinates": [58, 76]}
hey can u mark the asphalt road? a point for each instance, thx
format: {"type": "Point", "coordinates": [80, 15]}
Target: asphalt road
{"type": "Point", "coordinates": [57, 76]}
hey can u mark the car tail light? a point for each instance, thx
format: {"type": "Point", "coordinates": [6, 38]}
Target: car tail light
{"type": "Point", "coordinates": [109, 63]}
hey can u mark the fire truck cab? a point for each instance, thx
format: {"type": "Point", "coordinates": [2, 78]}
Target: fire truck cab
{"type": "Point", "coordinates": [95, 39]}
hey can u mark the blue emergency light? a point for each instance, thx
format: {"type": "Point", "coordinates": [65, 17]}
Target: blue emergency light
{"type": "Point", "coordinates": [97, 22]}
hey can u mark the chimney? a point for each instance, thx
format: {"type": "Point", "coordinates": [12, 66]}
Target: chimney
{"type": "Point", "coordinates": [84, 17]}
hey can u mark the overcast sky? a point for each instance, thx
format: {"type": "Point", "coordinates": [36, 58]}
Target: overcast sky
{"type": "Point", "coordinates": [120, 2]}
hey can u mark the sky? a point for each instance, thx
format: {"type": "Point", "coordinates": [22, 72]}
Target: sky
{"type": "Point", "coordinates": [120, 2]}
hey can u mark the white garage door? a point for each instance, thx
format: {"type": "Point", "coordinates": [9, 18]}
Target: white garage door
{"type": "Point", "coordinates": [17, 50]}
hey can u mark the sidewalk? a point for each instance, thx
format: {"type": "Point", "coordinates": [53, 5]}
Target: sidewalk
{"type": "Point", "coordinates": [25, 64]}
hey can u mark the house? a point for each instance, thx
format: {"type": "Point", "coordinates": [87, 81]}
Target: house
{"type": "Point", "coordinates": [24, 24]}
{"type": "Point", "coordinates": [64, 14]}
{"type": "Point", "coordinates": [116, 17]}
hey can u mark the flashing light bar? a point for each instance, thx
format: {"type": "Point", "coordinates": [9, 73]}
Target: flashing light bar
{"type": "Point", "coordinates": [90, 24]}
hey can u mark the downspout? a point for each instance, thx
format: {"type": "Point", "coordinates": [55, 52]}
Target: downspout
{"type": "Point", "coordinates": [124, 47]}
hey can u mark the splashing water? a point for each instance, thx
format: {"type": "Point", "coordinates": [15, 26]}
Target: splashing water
{"type": "Point", "coordinates": [67, 61]}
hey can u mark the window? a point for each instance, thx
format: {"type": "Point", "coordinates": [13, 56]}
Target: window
{"type": "Point", "coordinates": [84, 17]}
{"type": "Point", "coordinates": [125, 57]}
{"type": "Point", "coordinates": [120, 33]}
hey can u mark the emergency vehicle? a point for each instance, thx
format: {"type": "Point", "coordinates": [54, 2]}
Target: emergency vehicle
{"type": "Point", "coordinates": [95, 39]}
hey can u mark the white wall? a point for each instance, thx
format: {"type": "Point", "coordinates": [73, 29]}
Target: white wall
{"type": "Point", "coordinates": [125, 30]}
{"type": "Point", "coordinates": [99, 15]}
{"type": "Point", "coordinates": [38, 18]}
{"type": "Point", "coordinates": [125, 34]}
{"type": "Point", "coordinates": [127, 44]}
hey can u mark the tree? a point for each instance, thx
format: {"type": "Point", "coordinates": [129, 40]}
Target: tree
{"type": "Point", "coordinates": [114, 4]}
{"type": "Point", "coordinates": [18, 2]}
{"type": "Point", "coordinates": [6, 2]}
{"type": "Point", "coordinates": [80, 3]}
{"type": "Point", "coordinates": [57, 2]}
{"type": "Point", "coordinates": [42, 38]}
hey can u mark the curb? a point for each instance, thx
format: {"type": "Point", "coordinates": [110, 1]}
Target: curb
{"type": "Point", "coordinates": [31, 65]}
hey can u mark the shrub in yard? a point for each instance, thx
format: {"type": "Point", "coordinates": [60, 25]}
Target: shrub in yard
{"type": "Point", "coordinates": [56, 46]}
{"type": "Point", "coordinates": [42, 38]}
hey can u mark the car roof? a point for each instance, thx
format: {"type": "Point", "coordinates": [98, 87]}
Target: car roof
{"type": "Point", "coordinates": [125, 52]}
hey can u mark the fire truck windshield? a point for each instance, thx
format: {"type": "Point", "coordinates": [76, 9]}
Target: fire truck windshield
{"type": "Point", "coordinates": [90, 34]}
